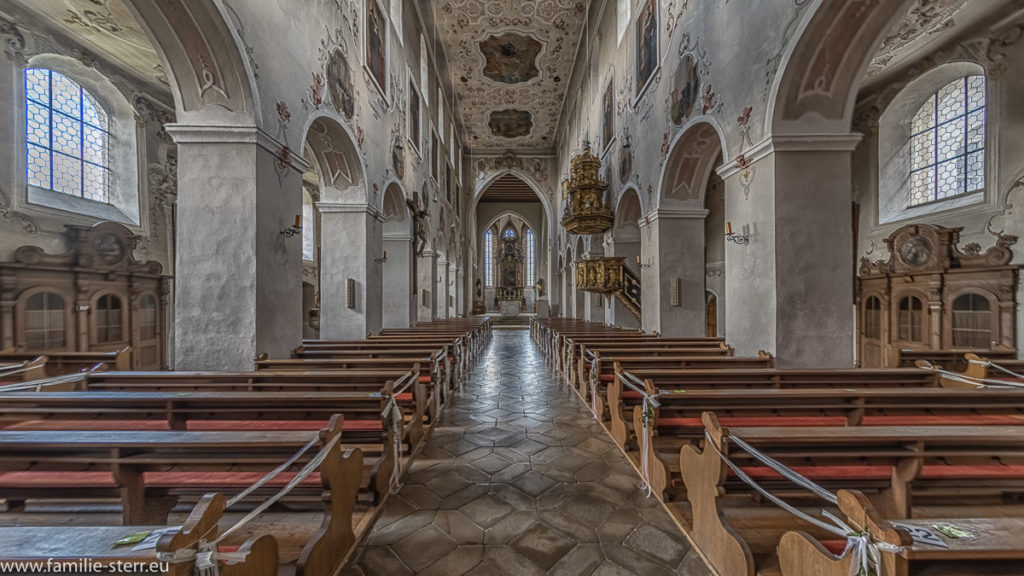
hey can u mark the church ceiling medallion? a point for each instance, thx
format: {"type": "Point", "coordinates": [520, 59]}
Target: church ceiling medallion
{"type": "Point", "coordinates": [510, 123]}
{"type": "Point", "coordinates": [510, 54]}
{"type": "Point", "coordinates": [510, 58]}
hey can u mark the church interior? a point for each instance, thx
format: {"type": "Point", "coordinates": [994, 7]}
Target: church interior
{"type": "Point", "coordinates": [511, 287]}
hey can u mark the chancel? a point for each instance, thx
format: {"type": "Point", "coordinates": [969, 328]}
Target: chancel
{"type": "Point", "coordinates": [511, 287]}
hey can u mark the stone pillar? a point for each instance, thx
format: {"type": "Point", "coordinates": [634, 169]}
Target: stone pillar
{"type": "Point", "coordinates": [441, 288]}
{"type": "Point", "coordinates": [426, 270]}
{"type": "Point", "coordinates": [460, 293]}
{"type": "Point", "coordinates": [237, 279]}
{"type": "Point", "coordinates": [790, 290]}
{"type": "Point", "coordinates": [399, 297]}
{"type": "Point", "coordinates": [351, 242]}
{"type": "Point", "coordinates": [672, 250]}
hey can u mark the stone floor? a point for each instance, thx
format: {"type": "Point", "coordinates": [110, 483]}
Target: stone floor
{"type": "Point", "coordinates": [518, 479]}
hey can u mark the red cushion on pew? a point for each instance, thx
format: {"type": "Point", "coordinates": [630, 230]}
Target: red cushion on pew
{"type": "Point", "coordinates": [608, 378]}
{"type": "Point", "coordinates": [57, 479]}
{"type": "Point", "coordinates": [752, 421]}
{"type": "Point", "coordinates": [836, 547]}
{"type": "Point", "coordinates": [228, 425]}
{"type": "Point", "coordinates": [630, 395]}
{"type": "Point", "coordinates": [825, 472]}
{"type": "Point", "coordinates": [218, 479]}
{"type": "Point", "coordinates": [965, 420]}
{"type": "Point", "coordinates": [101, 425]}
{"type": "Point", "coordinates": [972, 472]}
{"type": "Point", "coordinates": [404, 397]}
{"type": "Point", "coordinates": [425, 379]}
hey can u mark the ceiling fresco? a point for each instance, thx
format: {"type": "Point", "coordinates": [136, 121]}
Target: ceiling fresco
{"type": "Point", "coordinates": [105, 27]}
{"type": "Point", "coordinates": [510, 61]}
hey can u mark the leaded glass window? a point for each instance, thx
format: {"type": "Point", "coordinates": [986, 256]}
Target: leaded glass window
{"type": "Point", "coordinates": [911, 320]}
{"type": "Point", "coordinates": [530, 259]}
{"type": "Point", "coordinates": [948, 142]}
{"type": "Point", "coordinates": [44, 322]}
{"type": "Point", "coordinates": [972, 322]}
{"type": "Point", "coordinates": [489, 245]}
{"type": "Point", "coordinates": [67, 137]}
{"type": "Point", "coordinates": [147, 317]}
{"type": "Point", "coordinates": [108, 319]}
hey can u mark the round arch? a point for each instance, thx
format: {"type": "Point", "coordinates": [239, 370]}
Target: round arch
{"type": "Point", "coordinates": [692, 157]}
{"type": "Point", "coordinates": [202, 54]}
{"type": "Point", "coordinates": [339, 167]}
{"type": "Point", "coordinates": [815, 90]}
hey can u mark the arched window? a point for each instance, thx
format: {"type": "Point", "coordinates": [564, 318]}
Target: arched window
{"type": "Point", "coordinates": [948, 142]}
{"type": "Point", "coordinates": [108, 319]}
{"type": "Point", "coordinates": [873, 318]}
{"type": "Point", "coordinates": [44, 322]}
{"type": "Point", "coordinates": [308, 228]}
{"type": "Point", "coordinates": [67, 136]}
{"type": "Point", "coordinates": [972, 326]}
{"type": "Point", "coordinates": [147, 317]}
{"type": "Point", "coordinates": [911, 320]}
{"type": "Point", "coordinates": [531, 273]}
{"type": "Point", "coordinates": [489, 242]}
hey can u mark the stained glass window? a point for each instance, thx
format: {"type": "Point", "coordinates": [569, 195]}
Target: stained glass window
{"type": "Point", "coordinates": [530, 275]}
{"type": "Point", "coordinates": [67, 136]}
{"type": "Point", "coordinates": [948, 142]}
{"type": "Point", "coordinates": [489, 258]}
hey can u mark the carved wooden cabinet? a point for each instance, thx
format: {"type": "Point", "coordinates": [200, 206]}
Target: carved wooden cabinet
{"type": "Point", "coordinates": [932, 295]}
{"type": "Point", "coordinates": [96, 297]}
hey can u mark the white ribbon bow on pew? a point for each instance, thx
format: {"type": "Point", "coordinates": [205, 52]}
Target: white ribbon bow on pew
{"type": "Point", "coordinates": [206, 555]}
{"type": "Point", "coordinates": [650, 402]}
{"type": "Point", "coordinates": [866, 559]}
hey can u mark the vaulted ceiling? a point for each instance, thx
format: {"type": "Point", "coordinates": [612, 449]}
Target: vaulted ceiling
{"type": "Point", "coordinates": [104, 27]}
{"type": "Point", "coordinates": [510, 61]}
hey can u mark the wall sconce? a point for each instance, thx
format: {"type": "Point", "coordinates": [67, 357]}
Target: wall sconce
{"type": "Point", "coordinates": [294, 229]}
{"type": "Point", "coordinates": [740, 239]}
{"type": "Point", "coordinates": [644, 266]}
{"type": "Point", "coordinates": [382, 259]}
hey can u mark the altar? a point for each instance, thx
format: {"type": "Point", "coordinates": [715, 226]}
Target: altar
{"type": "Point", "coordinates": [509, 307]}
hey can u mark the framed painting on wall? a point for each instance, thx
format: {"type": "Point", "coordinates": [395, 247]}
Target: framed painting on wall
{"type": "Point", "coordinates": [414, 116]}
{"type": "Point", "coordinates": [376, 45]}
{"type": "Point", "coordinates": [646, 44]}
{"type": "Point", "coordinates": [607, 116]}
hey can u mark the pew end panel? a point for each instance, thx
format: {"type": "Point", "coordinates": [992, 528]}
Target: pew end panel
{"type": "Point", "coordinates": [704, 475]}
{"type": "Point", "coordinates": [341, 475]}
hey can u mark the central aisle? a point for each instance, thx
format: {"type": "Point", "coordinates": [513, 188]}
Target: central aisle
{"type": "Point", "coordinates": [518, 479]}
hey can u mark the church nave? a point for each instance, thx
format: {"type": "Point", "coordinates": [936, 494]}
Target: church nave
{"type": "Point", "coordinates": [519, 479]}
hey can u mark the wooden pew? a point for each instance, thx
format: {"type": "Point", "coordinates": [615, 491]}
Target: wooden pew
{"type": "Point", "coordinates": [93, 548]}
{"type": "Point", "coordinates": [433, 383]}
{"type": "Point", "coordinates": [995, 548]}
{"type": "Point", "coordinates": [621, 399]}
{"type": "Point", "coordinates": [18, 371]}
{"type": "Point", "coordinates": [948, 359]}
{"type": "Point", "coordinates": [894, 462]}
{"type": "Point", "coordinates": [978, 368]}
{"type": "Point", "coordinates": [677, 420]}
{"type": "Point", "coordinates": [148, 470]}
{"type": "Point", "coordinates": [602, 370]}
{"type": "Point", "coordinates": [60, 363]}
